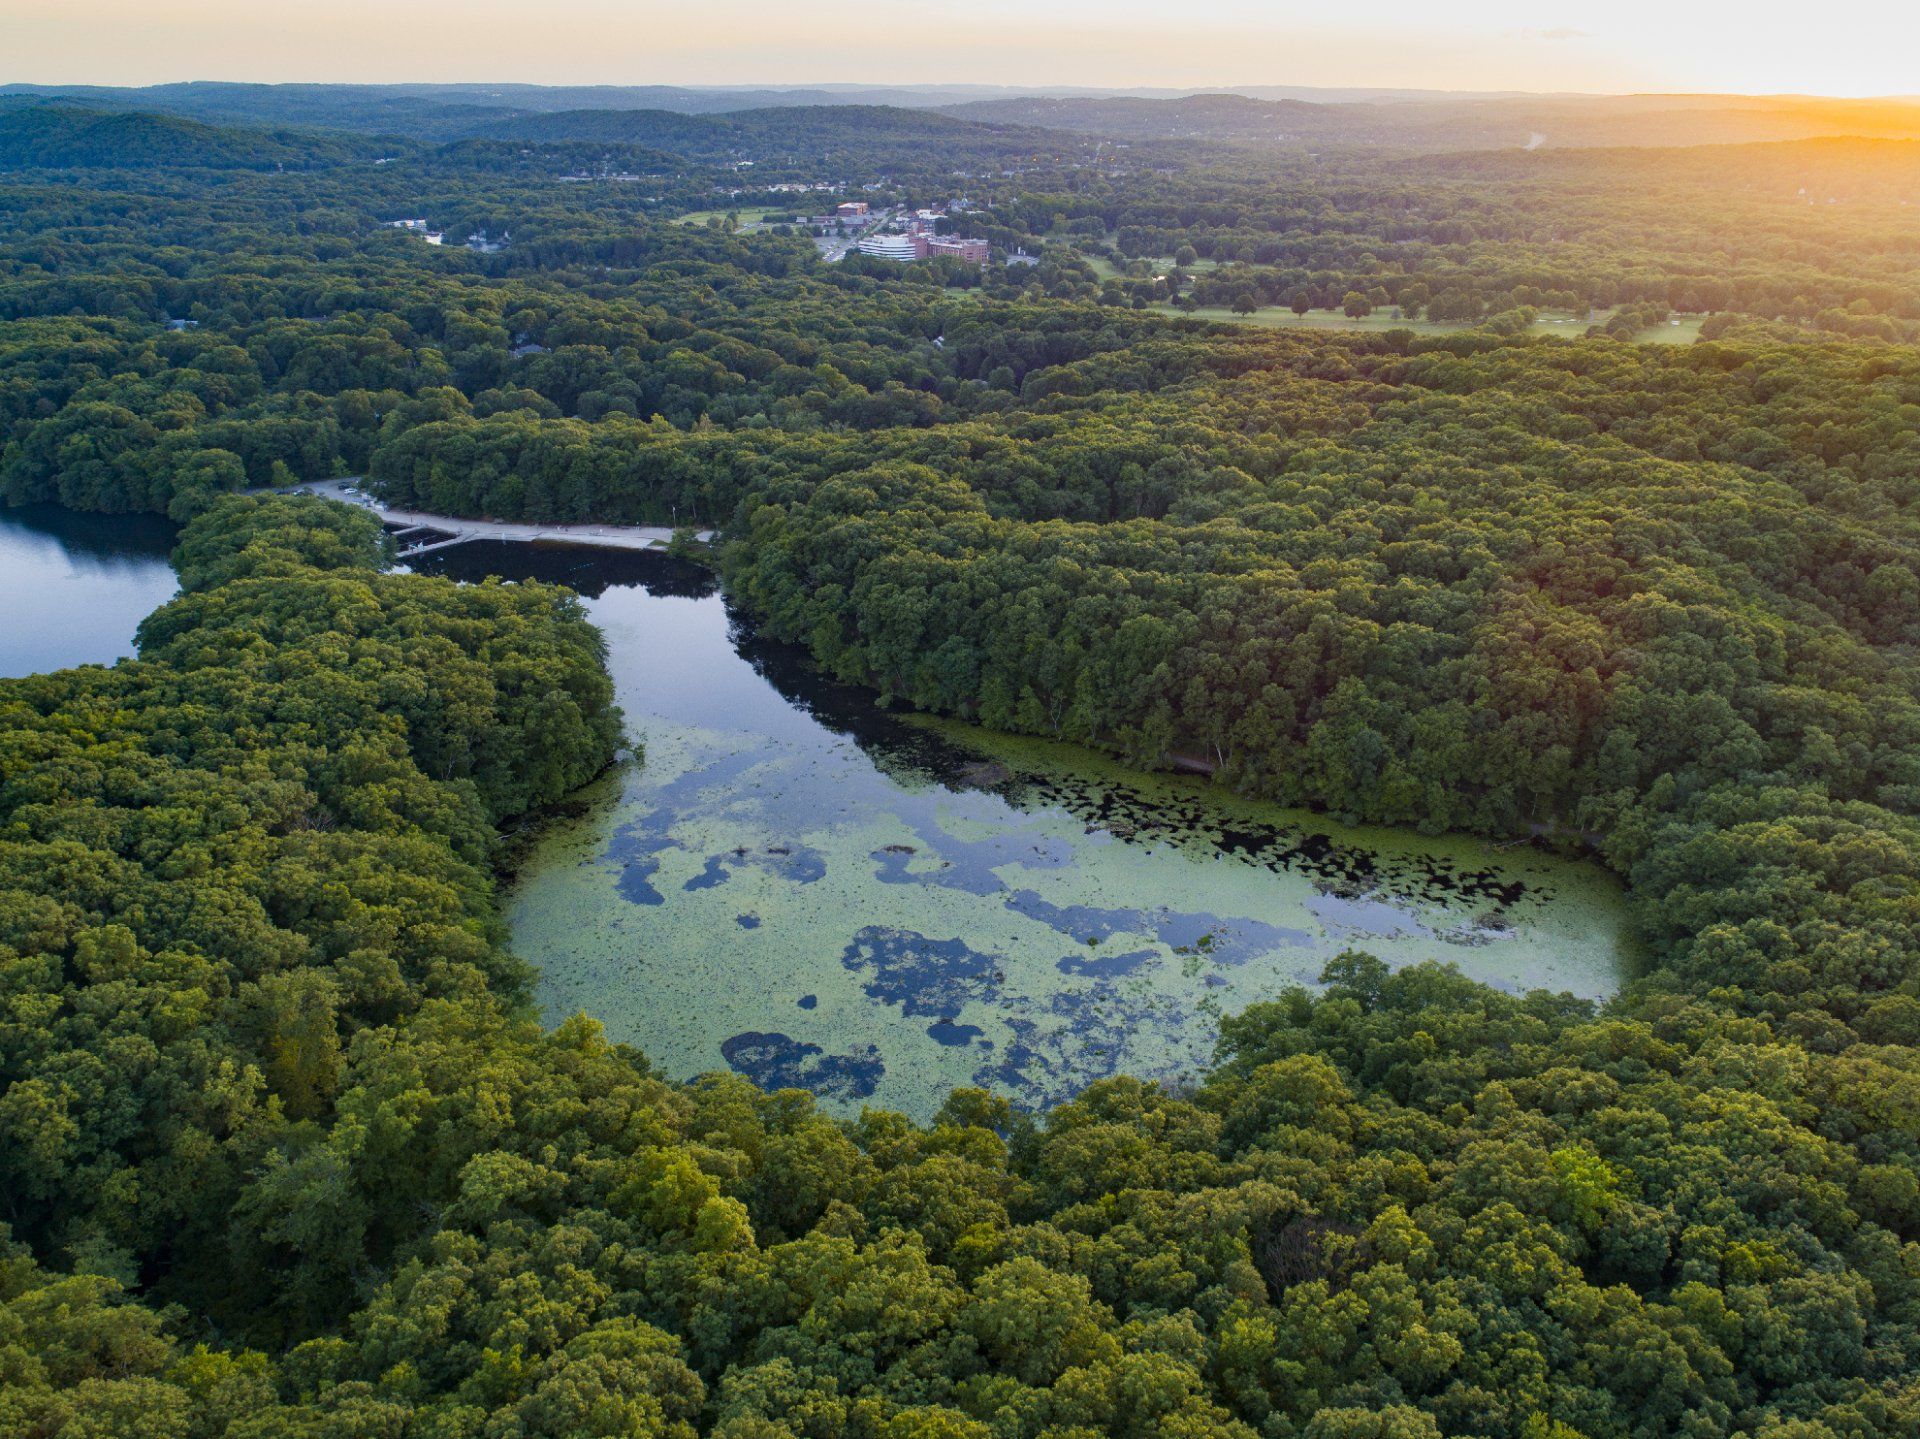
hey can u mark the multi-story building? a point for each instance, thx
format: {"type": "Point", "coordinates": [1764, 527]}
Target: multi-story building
{"type": "Point", "coordinates": [895, 247]}
{"type": "Point", "coordinates": [919, 245]}
{"type": "Point", "coordinates": [958, 247]}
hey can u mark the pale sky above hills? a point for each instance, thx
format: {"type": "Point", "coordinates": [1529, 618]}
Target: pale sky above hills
{"type": "Point", "coordinates": [1837, 47]}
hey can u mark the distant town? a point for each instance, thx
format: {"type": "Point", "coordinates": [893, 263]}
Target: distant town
{"type": "Point", "coordinates": [879, 234]}
{"type": "Point", "coordinates": [918, 238]}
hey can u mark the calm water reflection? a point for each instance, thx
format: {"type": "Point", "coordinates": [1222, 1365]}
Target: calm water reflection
{"type": "Point", "coordinates": [821, 894]}
{"type": "Point", "coordinates": [74, 587]}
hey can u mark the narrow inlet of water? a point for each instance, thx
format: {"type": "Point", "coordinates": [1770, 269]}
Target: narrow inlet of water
{"type": "Point", "coordinates": [74, 587]}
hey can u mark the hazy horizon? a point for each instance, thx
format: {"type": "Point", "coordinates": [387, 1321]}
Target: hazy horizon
{"type": "Point", "coordinates": [1214, 87]}
{"type": "Point", "coordinates": [1859, 49]}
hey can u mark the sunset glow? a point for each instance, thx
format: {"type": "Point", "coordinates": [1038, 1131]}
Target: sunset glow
{"type": "Point", "coordinates": [1857, 47]}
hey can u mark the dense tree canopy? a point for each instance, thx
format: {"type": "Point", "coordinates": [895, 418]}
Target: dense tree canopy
{"type": "Point", "coordinates": [283, 1149]}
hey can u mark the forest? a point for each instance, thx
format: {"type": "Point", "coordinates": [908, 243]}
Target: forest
{"type": "Point", "coordinates": [284, 1148]}
{"type": "Point", "coordinates": [1254, 116]}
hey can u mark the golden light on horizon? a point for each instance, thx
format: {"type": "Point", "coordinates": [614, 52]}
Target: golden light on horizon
{"type": "Point", "coordinates": [1858, 47]}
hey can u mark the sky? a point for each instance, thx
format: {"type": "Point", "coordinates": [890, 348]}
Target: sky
{"type": "Point", "coordinates": [1835, 47]}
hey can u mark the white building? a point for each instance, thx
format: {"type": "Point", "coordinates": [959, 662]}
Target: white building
{"type": "Point", "coordinates": [894, 247]}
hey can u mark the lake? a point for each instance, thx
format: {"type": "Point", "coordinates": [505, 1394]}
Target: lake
{"type": "Point", "coordinates": [814, 892]}
{"type": "Point", "coordinates": [74, 587]}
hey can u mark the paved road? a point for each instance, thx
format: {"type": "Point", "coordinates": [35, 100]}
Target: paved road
{"type": "Point", "coordinates": [838, 248]}
{"type": "Point", "coordinates": [608, 537]}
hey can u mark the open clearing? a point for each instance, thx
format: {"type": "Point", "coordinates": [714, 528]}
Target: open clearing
{"type": "Point", "coordinates": [1107, 270]}
{"type": "Point", "coordinates": [1561, 324]}
{"type": "Point", "coordinates": [749, 219]}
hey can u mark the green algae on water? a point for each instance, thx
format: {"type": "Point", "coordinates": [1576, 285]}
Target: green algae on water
{"type": "Point", "coordinates": [814, 892]}
{"type": "Point", "coordinates": [802, 915]}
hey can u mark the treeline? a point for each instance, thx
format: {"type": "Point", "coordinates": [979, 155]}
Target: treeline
{"type": "Point", "coordinates": [283, 1152]}
{"type": "Point", "coordinates": [284, 1156]}
{"type": "Point", "coordinates": [1655, 574]}
{"type": "Point", "coordinates": [179, 381]}
{"type": "Point", "coordinates": [876, 138]}
{"type": "Point", "coordinates": [56, 136]}
{"type": "Point", "coordinates": [1816, 232]}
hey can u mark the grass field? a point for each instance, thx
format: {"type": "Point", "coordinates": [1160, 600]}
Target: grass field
{"type": "Point", "coordinates": [1563, 325]}
{"type": "Point", "coordinates": [1107, 270]}
{"type": "Point", "coordinates": [748, 220]}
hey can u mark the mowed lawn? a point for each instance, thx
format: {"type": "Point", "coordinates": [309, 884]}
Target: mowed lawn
{"type": "Point", "coordinates": [1566, 326]}
{"type": "Point", "coordinates": [748, 218]}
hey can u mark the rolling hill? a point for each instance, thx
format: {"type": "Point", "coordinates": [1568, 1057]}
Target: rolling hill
{"type": "Point", "coordinates": [65, 137]}
{"type": "Point", "coordinates": [796, 134]}
{"type": "Point", "coordinates": [1460, 123]}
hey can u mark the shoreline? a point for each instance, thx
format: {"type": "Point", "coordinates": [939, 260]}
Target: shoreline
{"type": "Point", "coordinates": [449, 530]}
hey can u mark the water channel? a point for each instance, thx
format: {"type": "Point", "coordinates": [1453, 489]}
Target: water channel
{"type": "Point", "coordinates": [814, 892]}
